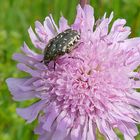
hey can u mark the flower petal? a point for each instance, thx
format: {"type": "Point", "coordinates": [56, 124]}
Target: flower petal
{"type": "Point", "coordinates": [27, 69]}
{"type": "Point", "coordinates": [14, 86]}
{"type": "Point", "coordinates": [63, 24]}
{"type": "Point", "coordinates": [61, 130]}
{"type": "Point", "coordinates": [89, 17]}
{"type": "Point", "coordinates": [50, 27]}
{"type": "Point", "coordinates": [50, 119]}
{"type": "Point", "coordinates": [30, 53]}
{"type": "Point", "coordinates": [30, 113]}
{"type": "Point", "coordinates": [91, 134]}
{"type": "Point", "coordinates": [118, 31]}
{"type": "Point", "coordinates": [106, 129]}
{"type": "Point", "coordinates": [128, 129]}
{"type": "Point", "coordinates": [41, 32]}
{"type": "Point", "coordinates": [36, 42]}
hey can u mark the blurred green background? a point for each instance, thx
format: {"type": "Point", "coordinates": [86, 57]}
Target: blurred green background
{"type": "Point", "coordinates": [15, 18]}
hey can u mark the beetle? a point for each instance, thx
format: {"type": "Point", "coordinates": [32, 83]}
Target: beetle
{"type": "Point", "coordinates": [63, 43]}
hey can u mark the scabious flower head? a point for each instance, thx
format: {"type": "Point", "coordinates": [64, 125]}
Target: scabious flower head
{"type": "Point", "coordinates": [93, 87]}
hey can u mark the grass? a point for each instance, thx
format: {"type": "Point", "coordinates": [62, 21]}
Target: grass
{"type": "Point", "coordinates": [15, 18]}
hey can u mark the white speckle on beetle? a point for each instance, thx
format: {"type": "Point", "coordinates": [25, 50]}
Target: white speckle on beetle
{"type": "Point", "coordinates": [71, 43]}
{"type": "Point", "coordinates": [64, 48]}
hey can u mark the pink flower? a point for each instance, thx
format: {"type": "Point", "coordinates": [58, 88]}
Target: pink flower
{"type": "Point", "coordinates": [93, 87]}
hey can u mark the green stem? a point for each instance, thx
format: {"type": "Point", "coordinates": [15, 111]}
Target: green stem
{"type": "Point", "coordinates": [83, 2]}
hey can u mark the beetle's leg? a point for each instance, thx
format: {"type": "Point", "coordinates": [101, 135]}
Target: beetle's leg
{"type": "Point", "coordinates": [41, 61]}
{"type": "Point", "coordinates": [54, 65]}
{"type": "Point", "coordinates": [73, 57]}
{"type": "Point", "coordinates": [79, 43]}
